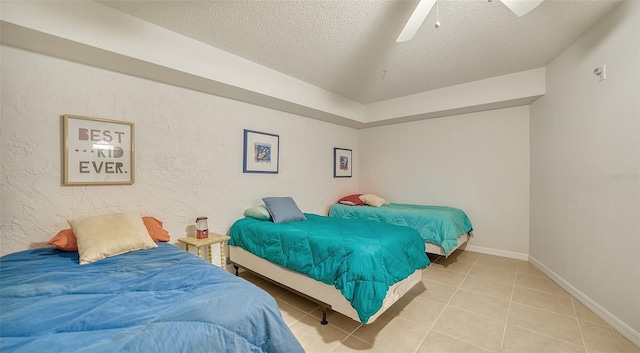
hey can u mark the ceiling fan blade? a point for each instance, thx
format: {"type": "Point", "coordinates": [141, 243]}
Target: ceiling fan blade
{"type": "Point", "coordinates": [521, 7]}
{"type": "Point", "coordinates": [416, 19]}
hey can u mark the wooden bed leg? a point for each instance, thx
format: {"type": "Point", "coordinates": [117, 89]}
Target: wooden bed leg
{"type": "Point", "coordinates": [324, 317]}
{"type": "Point", "coordinates": [237, 268]}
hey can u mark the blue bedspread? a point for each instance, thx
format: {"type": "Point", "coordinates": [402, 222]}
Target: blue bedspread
{"type": "Point", "coordinates": [156, 300]}
{"type": "Point", "coordinates": [436, 224]}
{"type": "Point", "coordinates": [361, 259]}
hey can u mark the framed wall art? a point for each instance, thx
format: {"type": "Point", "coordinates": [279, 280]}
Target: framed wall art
{"type": "Point", "coordinates": [342, 163]}
{"type": "Point", "coordinates": [98, 151]}
{"type": "Point", "coordinates": [261, 152]}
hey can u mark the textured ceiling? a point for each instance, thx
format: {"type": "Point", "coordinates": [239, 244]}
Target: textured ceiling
{"type": "Point", "coordinates": [346, 46]}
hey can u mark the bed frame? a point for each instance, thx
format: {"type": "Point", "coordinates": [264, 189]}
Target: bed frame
{"type": "Point", "coordinates": [325, 295]}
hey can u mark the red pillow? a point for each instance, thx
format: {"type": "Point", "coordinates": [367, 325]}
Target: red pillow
{"type": "Point", "coordinates": [351, 200]}
{"type": "Point", "coordinates": [65, 240]}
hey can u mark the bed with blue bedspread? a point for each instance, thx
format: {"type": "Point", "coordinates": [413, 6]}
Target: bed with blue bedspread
{"type": "Point", "coordinates": [439, 225]}
{"type": "Point", "coordinates": [360, 259]}
{"type": "Point", "coordinates": [156, 300]}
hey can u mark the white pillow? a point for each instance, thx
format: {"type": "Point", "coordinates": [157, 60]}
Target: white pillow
{"type": "Point", "coordinates": [109, 235]}
{"type": "Point", "coordinates": [258, 212]}
{"type": "Point", "coordinates": [373, 200]}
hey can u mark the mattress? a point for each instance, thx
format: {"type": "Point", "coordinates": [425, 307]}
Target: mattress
{"type": "Point", "coordinates": [156, 300]}
{"type": "Point", "coordinates": [361, 259]}
{"type": "Point", "coordinates": [439, 225]}
{"type": "Point", "coordinates": [436, 249]}
{"type": "Point", "coordinates": [323, 294]}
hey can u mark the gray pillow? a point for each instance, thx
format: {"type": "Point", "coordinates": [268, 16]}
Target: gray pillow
{"type": "Point", "coordinates": [283, 209]}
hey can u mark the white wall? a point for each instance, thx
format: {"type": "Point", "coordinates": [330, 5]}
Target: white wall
{"type": "Point", "coordinates": [188, 151]}
{"type": "Point", "coordinates": [585, 168]}
{"type": "Point", "coordinates": [478, 162]}
{"type": "Point", "coordinates": [92, 33]}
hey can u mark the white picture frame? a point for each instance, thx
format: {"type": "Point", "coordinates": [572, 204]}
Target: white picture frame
{"type": "Point", "coordinates": [98, 151]}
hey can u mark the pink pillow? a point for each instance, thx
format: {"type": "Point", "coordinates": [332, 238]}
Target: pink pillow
{"type": "Point", "coordinates": [351, 200]}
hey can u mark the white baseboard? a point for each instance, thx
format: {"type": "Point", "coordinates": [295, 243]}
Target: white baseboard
{"type": "Point", "coordinates": [496, 252]}
{"type": "Point", "coordinates": [624, 329]}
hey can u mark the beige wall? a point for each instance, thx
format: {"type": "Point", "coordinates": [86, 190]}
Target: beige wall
{"type": "Point", "coordinates": [585, 169]}
{"type": "Point", "coordinates": [478, 162]}
{"type": "Point", "coordinates": [188, 151]}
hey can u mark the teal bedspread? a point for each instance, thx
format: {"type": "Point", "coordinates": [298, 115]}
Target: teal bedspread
{"type": "Point", "coordinates": [436, 224]}
{"type": "Point", "coordinates": [361, 259]}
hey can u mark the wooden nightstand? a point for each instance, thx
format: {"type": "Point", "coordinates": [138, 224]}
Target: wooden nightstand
{"type": "Point", "coordinates": [212, 239]}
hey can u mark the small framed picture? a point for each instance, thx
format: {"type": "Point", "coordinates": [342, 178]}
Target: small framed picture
{"type": "Point", "coordinates": [261, 152]}
{"type": "Point", "coordinates": [342, 163]}
{"type": "Point", "coordinates": [98, 151]}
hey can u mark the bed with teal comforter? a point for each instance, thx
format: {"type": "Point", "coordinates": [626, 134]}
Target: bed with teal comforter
{"type": "Point", "coordinates": [436, 224]}
{"type": "Point", "coordinates": [156, 300]}
{"type": "Point", "coordinates": [361, 259]}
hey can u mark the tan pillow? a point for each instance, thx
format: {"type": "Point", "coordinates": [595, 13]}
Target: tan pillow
{"type": "Point", "coordinates": [373, 200]}
{"type": "Point", "coordinates": [109, 235]}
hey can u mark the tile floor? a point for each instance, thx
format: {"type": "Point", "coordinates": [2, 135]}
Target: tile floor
{"type": "Point", "coordinates": [469, 302]}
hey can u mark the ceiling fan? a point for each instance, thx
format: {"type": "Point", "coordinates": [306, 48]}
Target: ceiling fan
{"type": "Point", "coordinates": [519, 7]}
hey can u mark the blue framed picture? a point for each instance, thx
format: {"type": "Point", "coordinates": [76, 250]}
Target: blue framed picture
{"type": "Point", "coordinates": [261, 152]}
{"type": "Point", "coordinates": [342, 162]}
